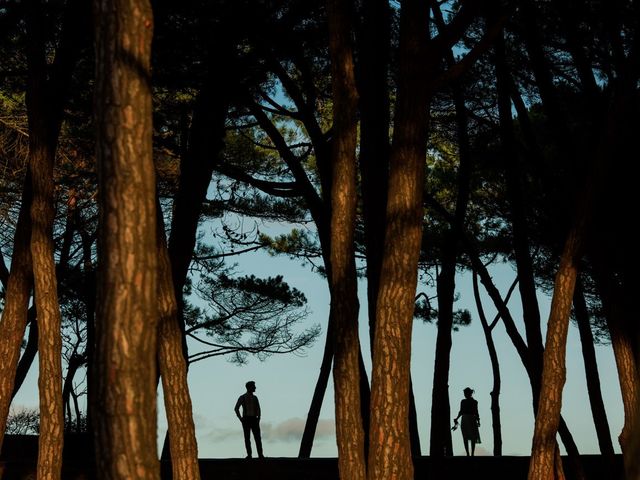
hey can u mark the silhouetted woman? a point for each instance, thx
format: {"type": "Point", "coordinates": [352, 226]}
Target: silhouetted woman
{"type": "Point", "coordinates": [470, 421]}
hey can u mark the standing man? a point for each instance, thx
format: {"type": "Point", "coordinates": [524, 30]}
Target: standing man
{"type": "Point", "coordinates": [250, 418]}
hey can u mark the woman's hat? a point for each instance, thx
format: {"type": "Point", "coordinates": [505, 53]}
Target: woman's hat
{"type": "Point", "coordinates": [470, 390]}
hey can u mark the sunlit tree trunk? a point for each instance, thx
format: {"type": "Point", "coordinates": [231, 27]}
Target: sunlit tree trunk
{"type": "Point", "coordinates": [42, 145]}
{"type": "Point", "coordinates": [14, 315]}
{"type": "Point", "coordinates": [173, 372]}
{"type": "Point", "coordinates": [623, 350]}
{"type": "Point", "coordinates": [390, 449]}
{"type": "Point", "coordinates": [344, 297]}
{"type": "Point", "coordinates": [127, 313]}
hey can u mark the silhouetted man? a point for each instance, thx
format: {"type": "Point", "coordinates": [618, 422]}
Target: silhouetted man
{"type": "Point", "coordinates": [250, 418]}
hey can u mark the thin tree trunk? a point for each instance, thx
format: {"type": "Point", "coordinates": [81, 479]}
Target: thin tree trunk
{"type": "Point", "coordinates": [173, 371]}
{"type": "Point", "coordinates": [127, 315]}
{"type": "Point", "coordinates": [344, 295]}
{"type": "Point", "coordinates": [495, 370]}
{"type": "Point", "coordinates": [14, 315]}
{"type": "Point", "coordinates": [390, 449]}
{"type": "Point", "coordinates": [592, 377]}
{"type": "Point", "coordinates": [313, 415]}
{"type": "Point", "coordinates": [441, 443]}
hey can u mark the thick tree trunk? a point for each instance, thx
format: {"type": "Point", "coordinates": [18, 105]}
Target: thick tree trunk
{"type": "Point", "coordinates": [623, 350]}
{"type": "Point", "coordinates": [127, 314]}
{"type": "Point", "coordinates": [42, 145]}
{"type": "Point", "coordinates": [592, 377]}
{"type": "Point", "coordinates": [14, 315]}
{"type": "Point", "coordinates": [173, 372]}
{"type": "Point", "coordinates": [390, 449]}
{"type": "Point", "coordinates": [344, 295]}
{"type": "Point", "coordinates": [545, 463]}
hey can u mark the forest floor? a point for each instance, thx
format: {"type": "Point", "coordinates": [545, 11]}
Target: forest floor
{"type": "Point", "coordinates": [18, 461]}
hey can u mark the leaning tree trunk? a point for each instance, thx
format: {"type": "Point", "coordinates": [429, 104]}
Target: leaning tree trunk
{"type": "Point", "coordinates": [545, 462]}
{"type": "Point", "coordinates": [126, 316]}
{"type": "Point", "coordinates": [495, 370]}
{"type": "Point", "coordinates": [592, 377]}
{"type": "Point", "coordinates": [14, 315]}
{"type": "Point", "coordinates": [390, 449]}
{"type": "Point", "coordinates": [173, 372]}
{"type": "Point", "coordinates": [344, 295]}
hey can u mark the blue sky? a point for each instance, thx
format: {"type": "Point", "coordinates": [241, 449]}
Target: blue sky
{"type": "Point", "coordinates": [285, 383]}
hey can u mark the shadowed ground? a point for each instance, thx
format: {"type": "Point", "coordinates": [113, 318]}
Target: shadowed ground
{"type": "Point", "coordinates": [18, 461]}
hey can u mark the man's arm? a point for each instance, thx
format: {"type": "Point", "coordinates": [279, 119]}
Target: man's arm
{"type": "Point", "coordinates": [258, 409]}
{"type": "Point", "coordinates": [237, 407]}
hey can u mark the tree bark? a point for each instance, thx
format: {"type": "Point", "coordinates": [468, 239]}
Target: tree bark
{"type": "Point", "coordinates": [127, 314]}
{"type": "Point", "coordinates": [623, 350]}
{"type": "Point", "coordinates": [344, 295]}
{"type": "Point", "coordinates": [43, 135]}
{"type": "Point", "coordinates": [390, 449]}
{"type": "Point", "coordinates": [544, 456]}
{"type": "Point", "coordinates": [173, 371]}
{"type": "Point", "coordinates": [14, 315]}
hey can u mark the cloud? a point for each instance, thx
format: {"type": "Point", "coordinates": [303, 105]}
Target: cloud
{"type": "Point", "coordinates": [482, 452]}
{"type": "Point", "coordinates": [290, 430]}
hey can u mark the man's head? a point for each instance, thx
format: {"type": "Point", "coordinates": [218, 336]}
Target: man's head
{"type": "Point", "coordinates": [251, 386]}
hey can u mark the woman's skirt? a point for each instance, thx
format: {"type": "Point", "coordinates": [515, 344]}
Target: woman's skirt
{"type": "Point", "coordinates": [469, 428]}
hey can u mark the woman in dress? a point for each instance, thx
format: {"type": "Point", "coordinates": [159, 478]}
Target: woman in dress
{"type": "Point", "coordinates": [470, 421]}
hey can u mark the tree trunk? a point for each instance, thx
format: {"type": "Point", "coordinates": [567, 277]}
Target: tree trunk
{"type": "Point", "coordinates": [127, 314]}
{"type": "Point", "coordinates": [544, 463]}
{"type": "Point", "coordinates": [42, 146]}
{"type": "Point", "coordinates": [592, 377]}
{"type": "Point", "coordinates": [318, 394]}
{"type": "Point", "coordinates": [441, 443]}
{"type": "Point", "coordinates": [14, 315]}
{"type": "Point", "coordinates": [344, 295]}
{"type": "Point", "coordinates": [495, 370]}
{"type": "Point", "coordinates": [196, 167]}
{"type": "Point", "coordinates": [623, 350]}
{"type": "Point", "coordinates": [390, 449]}
{"type": "Point", "coordinates": [173, 371]}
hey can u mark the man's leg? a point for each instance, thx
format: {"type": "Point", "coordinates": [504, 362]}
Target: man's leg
{"type": "Point", "coordinates": [246, 428]}
{"type": "Point", "coordinates": [255, 426]}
